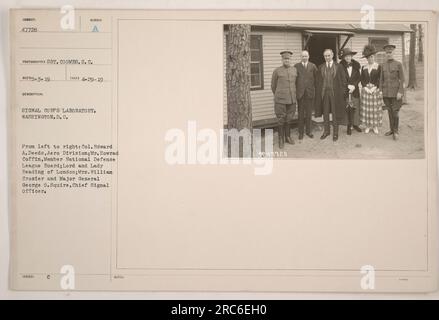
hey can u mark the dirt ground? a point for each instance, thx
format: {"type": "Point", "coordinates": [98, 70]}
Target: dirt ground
{"type": "Point", "coordinates": [367, 146]}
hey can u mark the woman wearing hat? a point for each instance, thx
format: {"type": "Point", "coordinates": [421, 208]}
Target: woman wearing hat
{"type": "Point", "coordinates": [371, 95]}
{"type": "Point", "coordinates": [352, 68]}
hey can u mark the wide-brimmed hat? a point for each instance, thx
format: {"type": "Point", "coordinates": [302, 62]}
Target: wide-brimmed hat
{"type": "Point", "coordinates": [347, 51]}
{"type": "Point", "coordinates": [393, 47]}
{"type": "Point", "coordinates": [368, 50]}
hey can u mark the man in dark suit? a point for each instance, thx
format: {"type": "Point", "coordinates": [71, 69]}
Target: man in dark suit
{"type": "Point", "coordinates": [331, 93]}
{"type": "Point", "coordinates": [305, 92]}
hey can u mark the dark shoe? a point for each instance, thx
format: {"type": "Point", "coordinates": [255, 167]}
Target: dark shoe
{"type": "Point", "coordinates": [349, 132]}
{"type": "Point", "coordinates": [334, 138]}
{"type": "Point", "coordinates": [324, 136]}
{"type": "Point", "coordinates": [288, 138]}
{"type": "Point", "coordinates": [358, 129]}
{"type": "Point", "coordinates": [389, 133]}
{"type": "Point", "coordinates": [310, 135]}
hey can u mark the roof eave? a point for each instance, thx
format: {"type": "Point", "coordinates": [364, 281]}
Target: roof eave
{"type": "Point", "coordinates": [286, 27]}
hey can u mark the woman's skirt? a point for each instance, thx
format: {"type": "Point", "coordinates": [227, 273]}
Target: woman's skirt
{"type": "Point", "coordinates": [371, 108]}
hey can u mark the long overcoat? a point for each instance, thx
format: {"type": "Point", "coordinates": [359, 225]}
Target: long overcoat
{"type": "Point", "coordinates": [341, 92]}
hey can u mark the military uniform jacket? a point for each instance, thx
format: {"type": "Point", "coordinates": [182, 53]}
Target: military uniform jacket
{"type": "Point", "coordinates": [283, 85]}
{"type": "Point", "coordinates": [392, 78]}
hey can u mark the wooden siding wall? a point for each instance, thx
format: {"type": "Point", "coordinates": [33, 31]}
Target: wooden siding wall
{"type": "Point", "coordinates": [358, 42]}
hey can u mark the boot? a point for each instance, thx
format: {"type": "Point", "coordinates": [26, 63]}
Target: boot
{"type": "Point", "coordinates": [396, 124]}
{"type": "Point", "coordinates": [389, 133]}
{"type": "Point", "coordinates": [288, 138]}
{"type": "Point", "coordinates": [281, 135]}
{"type": "Point", "coordinates": [395, 127]}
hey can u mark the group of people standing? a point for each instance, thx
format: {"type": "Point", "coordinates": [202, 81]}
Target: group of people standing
{"type": "Point", "coordinates": [351, 93]}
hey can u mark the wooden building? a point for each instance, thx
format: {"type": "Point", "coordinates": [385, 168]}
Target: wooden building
{"type": "Point", "coordinates": [268, 40]}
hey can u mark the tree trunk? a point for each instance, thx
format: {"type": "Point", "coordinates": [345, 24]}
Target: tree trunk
{"type": "Point", "coordinates": [239, 110]}
{"type": "Point", "coordinates": [412, 66]}
{"type": "Point", "coordinates": [420, 44]}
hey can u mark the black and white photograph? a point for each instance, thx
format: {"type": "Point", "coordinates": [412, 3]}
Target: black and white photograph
{"type": "Point", "coordinates": [328, 91]}
{"type": "Point", "coordinates": [233, 152]}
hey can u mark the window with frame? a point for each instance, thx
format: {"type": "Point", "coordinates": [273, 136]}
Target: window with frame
{"type": "Point", "coordinates": [256, 62]}
{"type": "Point", "coordinates": [379, 43]}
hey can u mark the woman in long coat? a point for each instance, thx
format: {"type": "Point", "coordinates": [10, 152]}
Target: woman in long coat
{"type": "Point", "coordinates": [353, 69]}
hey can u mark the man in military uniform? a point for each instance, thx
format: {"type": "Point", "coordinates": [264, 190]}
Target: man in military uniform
{"type": "Point", "coordinates": [283, 85]}
{"type": "Point", "coordinates": [392, 86]}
